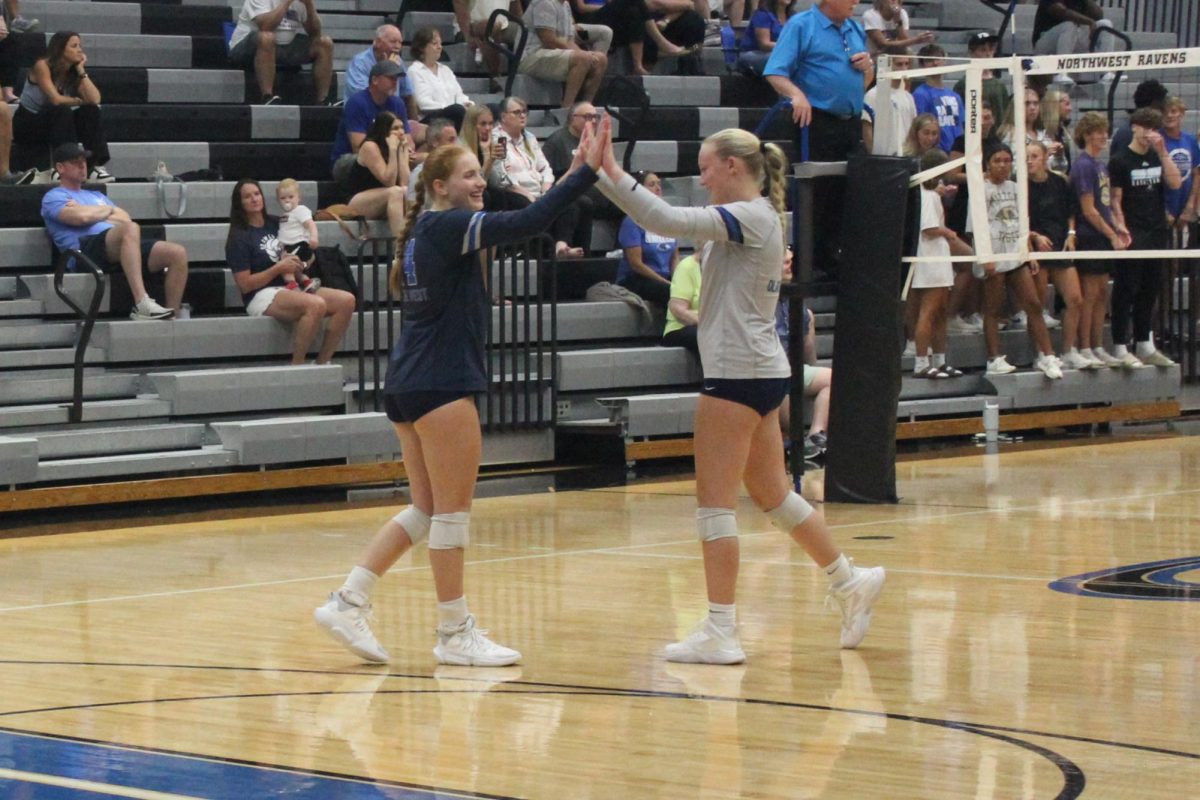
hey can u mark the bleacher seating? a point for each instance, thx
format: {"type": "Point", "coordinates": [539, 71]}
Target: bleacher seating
{"type": "Point", "coordinates": [212, 393]}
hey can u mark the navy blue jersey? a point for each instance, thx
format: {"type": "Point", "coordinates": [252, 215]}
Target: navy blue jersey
{"type": "Point", "coordinates": [446, 305]}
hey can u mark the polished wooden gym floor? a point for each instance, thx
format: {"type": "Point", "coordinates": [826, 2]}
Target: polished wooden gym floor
{"type": "Point", "coordinates": [180, 660]}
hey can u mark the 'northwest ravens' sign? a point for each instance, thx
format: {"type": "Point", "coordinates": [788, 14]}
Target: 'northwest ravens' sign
{"type": "Point", "coordinates": [1155, 580]}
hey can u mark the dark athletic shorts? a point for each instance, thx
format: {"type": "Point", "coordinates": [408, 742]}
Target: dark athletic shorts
{"type": "Point", "coordinates": [411, 406]}
{"type": "Point", "coordinates": [1093, 266]}
{"type": "Point", "coordinates": [93, 247]}
{"type": "Point", "coordinates": [764, 395]}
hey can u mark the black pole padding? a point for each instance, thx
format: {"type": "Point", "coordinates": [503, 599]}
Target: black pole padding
{"type": "Point", "coordinates": [861, 459]}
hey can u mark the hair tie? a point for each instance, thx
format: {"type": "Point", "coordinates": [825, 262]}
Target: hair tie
{"type": "Point", "coordinates": [762, 147]}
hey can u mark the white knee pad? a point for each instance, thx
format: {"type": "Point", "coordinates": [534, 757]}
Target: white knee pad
{"type": "Point", "coordinates": [791, 512]}
{"type": "Point", "coordinates": [715, 523]}
{"type": "Point", "coordinates": [415, 523]}
{"type": "Point", "coordinates": [450, 531]}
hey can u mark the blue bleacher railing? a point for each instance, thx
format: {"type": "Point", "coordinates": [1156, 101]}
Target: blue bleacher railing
{"type": "Point", "coordinates": [87, 319]}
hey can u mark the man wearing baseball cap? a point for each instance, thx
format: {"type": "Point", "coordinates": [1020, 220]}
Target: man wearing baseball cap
{"type": "Point", "coordinates": [362, 108]}
{"type": "Point", "coordinates": [983, 44]}
{"type": "Point", "coordinates": [88, 221]}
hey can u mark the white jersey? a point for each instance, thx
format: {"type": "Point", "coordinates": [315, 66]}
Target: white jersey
{"type": "Point", "coordinates": [291, 225]}
{"type": "Point", "coordinates": [742, 275]}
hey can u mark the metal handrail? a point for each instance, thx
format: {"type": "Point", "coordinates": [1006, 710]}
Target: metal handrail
{"type": "Point", "coordinates": [1006, 10]}
{"type": "Point", "coordinates": [631, 126]}
{"type": "Point", "coordinates": [1119, 74]}
{"type": "Point", "coordinates": [88, 319]}
{"type": "Point", "coordinates": [513, 56]}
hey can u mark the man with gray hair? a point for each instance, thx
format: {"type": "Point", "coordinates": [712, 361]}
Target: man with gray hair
{"type": "Point", "coordinates": [389, 41]}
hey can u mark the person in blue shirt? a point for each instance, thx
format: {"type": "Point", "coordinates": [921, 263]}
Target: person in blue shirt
{"type": "Point", "coordinates": [647, 259]}
{"type": "Point", "coordinates": [761, 34]}
{"type": "Point", "coordinates": [87, 221]}
{"type": "Point", "coordinates": [821, 66]}
{"type": "Point", "coordinates": [388, 44]}
{"type": "Point", "coordinates": [437, 369]}
{"type": "Point", "coordinates": [360, 111]}
{"type": "Point", "coordinates": [932, 97]}
{"type": "Point", "coordinates": [1184, 202]}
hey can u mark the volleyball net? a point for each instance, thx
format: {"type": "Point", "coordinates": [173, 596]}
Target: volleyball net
{"type": "Point", "coordinates": [1178, 67]}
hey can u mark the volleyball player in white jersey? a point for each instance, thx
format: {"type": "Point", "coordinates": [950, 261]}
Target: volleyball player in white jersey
{"type": "Point", "coordinates": [737, 435]}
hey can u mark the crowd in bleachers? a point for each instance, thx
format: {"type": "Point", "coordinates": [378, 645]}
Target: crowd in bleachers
{"type": "Point", "coordinates": [395, 111]}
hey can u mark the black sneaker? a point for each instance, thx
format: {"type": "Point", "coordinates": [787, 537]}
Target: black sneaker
{"type": "Point", "coordinates": [271, 99]}
{"type": "Point", "coordinates": [819, 439]}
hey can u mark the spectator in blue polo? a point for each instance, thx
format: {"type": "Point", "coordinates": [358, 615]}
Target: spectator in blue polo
{"type": "Point", "coordinates": [360, 111]}
{"type": "Point", "coordinates": [821, 64]}
{"type": "Point", "coordinates": [387, 46]}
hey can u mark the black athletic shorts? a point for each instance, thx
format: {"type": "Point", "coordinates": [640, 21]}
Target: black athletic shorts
{"type": "Point", "coordinates": [94, 248]}
{"type": "Point", "coordinates": [411, 406]}
{"type": "Point", "coordinates": [764, 395]}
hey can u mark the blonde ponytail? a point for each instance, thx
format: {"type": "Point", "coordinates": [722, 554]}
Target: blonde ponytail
{"type": "Point", "coordinates": [763, 160]}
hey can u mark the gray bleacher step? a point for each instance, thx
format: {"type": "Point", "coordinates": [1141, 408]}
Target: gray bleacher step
{"type": "Point", "coordinates": [223, 391]}
{"type": "Point", "coordinates": [18, 459]}
{"type": "Point", "coordinates": [73, 469]}
{"type": "Point", "coordinates": [44, 334]}
{"type": "Point", "coordinates": [949, 406]}
{"type": "Point", "coordinates": [143, 408]}
{"type": "Point", "coordinates": [86, 18]}
{"type": "Point", "coordinates": [309, 438]}
{"type": "Point", "coordinates": [915, 388]}
{"type": "Point", "coordinates": [122, 439]}
{"type": "Point", "coordinates": [20, 308]}
{"type": "Point", "coordinates": [47, 357]}
{"type": "Point", "coordinates": [17, 389]}
{"type": "Point", "coordinates": [8, 287]}
{"type": "Point", "coordinates": [652, 414]}
{"type": "Point", "coordinates": [614, 367]}
{"type": "Point", "coordinates": [1032, 389]}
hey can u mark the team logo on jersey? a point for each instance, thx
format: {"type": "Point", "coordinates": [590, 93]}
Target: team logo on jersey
{"type": "Point", "coordinates": [1154, 580]}
{"type": "Point", "coordinates": [269, 244]}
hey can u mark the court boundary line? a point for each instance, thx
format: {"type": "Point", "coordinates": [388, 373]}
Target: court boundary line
{"type": "Point", "coordinates": [91, 787]}
{"type": "Point", "coordinates": [1074, 779]}
{"type": "Point", "coordinates": [585, 551]}
{"type": "Point", "coordinates": [579, 688]}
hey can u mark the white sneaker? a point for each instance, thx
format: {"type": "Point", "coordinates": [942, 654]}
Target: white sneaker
{"type": "Point", "coordinates": [957, 324]}
{"type": "Point", "coordinates": [1157, 359]}
{"type": "Point", "coordinates": [1019, 321]}
{"type": "Point", "coordinates": [707, 644]}
{"type": "Point", "coordinates": [854, 599]}
{"type": "Point", "coordinates": [976, 321]}
{"type": "Point", "coordinates": [1130, 361]}
{"type": "Point", "coordinates": [1074, 360]}
{"type": "Point", "coordinates": [1064, 79]}
{"type": "Point", "coordinates": [1048, 364]}
{"type": "Point", "coordinates": [469, 647]}
{"type": "Point", "coordinates": [910, 349]}
{"type": "Point", "coordinates": [1051, 322]}
{"type": "Point", "coordinates": [1093, 361]}
{"type": "Point", "coordinates": [100, 175]}
{"type": "Point", "coordinates": [1106, 358]}
{"type": "Point", "coordinates": [1000, 366]}
{"type": "Point", "coordinates": [148, 309]}
{"type": "Point", "coordinates": [348, 625]}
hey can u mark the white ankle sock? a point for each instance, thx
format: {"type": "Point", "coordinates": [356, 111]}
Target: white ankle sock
{"type": "Point", "coordinates": [920, 363]}
{"type": "Point", "coordinates": [938, 360]}
{"type": "Point", "coordinates": [359, 584]}
{"type": "Point", "coordinates": [723, 616]}
{"type": "Point", "coordinates": [839, 571]}
{"type": "Point", "coordinates": [453, 614]}
{"type": "Point", "coordinates": [1120, 351]}
{"type": "Point", "coordinates": [1074, 351]}
{"type": "Point", "coordinates": [1145, 349]}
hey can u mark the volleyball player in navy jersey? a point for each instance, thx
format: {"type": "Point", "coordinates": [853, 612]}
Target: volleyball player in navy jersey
{"type": "Point", "coordinates": [737, 434]}
{"type": "Point", "coordinates": [437, 369]}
